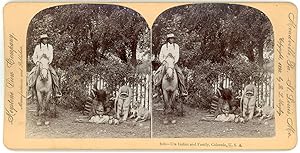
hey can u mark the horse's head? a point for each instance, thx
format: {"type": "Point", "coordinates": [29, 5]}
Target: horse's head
{"type": "Point", "coordinates": [170, 64]}
{"type": "Point", "coordinates": [43, 65]}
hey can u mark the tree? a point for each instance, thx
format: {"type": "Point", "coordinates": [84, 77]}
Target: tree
{"type": "Point", "coordinates": [91, 40]}
{"type": "Point", "coordinates": [215, 40]}
{"type": "Point", "coordinates": [214, 32]}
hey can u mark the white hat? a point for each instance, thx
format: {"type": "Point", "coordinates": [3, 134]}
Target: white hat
{"type": "Point", "coordinates": [171, 35]}
{"type": "Point", "coordinates": [44, 36]}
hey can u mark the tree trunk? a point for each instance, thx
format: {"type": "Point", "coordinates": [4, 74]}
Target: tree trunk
{"type": "Point", "coordinates": [260, 54]}
{"type": "Point", "coordinates": [250, 54]}
{"type": "Point", "coordinates": [122, 54]}
{"type": "Point", "coordinates": [133, 51]}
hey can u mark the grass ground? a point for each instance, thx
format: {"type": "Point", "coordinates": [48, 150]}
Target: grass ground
{"type": "Point", "coordinates": [191, 126]}
{"type": "Point", "coordinates": [188, 126]}
{"type": "Point", "coordinates": [64, 127]}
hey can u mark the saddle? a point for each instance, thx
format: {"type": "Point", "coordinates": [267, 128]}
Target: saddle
{"type": "Point", "coordinates": [34, 74]}
{"type": "Point", "coordinates": [159, 73]}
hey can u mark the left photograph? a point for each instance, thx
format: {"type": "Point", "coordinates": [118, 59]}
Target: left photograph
{"type": "Point", "coordinates": [88, 73]}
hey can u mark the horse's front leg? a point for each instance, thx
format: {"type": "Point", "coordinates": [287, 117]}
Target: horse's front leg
{"type": "Point", "coordinates": [165, 107]}
{"type": "Point", "coordinates": [47, 107]}
{"type": "Point", "coordinates": [38, 114]}
{"type": "Point", "coordinates": [166, 100]}
{"type": "Point", "coordinates": [43, 108]}
{"type": "Point", "coordinates": [172, 105]}
{"type": "Point", "coordinates": [38, 107]}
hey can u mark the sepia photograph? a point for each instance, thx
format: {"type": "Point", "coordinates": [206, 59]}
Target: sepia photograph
{"type": "Point", "coordinates": [213, 72]}
{"type": "Point", "coordinates": [150, 76]}
{"type": "Point", "coordinates": [88, 73]}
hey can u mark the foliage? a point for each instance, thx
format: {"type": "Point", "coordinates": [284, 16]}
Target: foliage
{"type": "Point", "coordinates": [87, 32]}
{"type": "Point", "coordinates": [77, 78]}
{"type": "Point", "coordinates": [214, 40]}
{"type": "Point", "coordinates": [205, 74]}
{"type": "Point", "coordinates": [214, 32]}
{"type": "Point", "coordinates": [110, 41]}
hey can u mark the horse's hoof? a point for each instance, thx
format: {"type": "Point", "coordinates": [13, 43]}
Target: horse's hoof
{"type": "Point", "coordinates": [173, 121]}
{"type": "Point", "coordinates": [38, 123]}
{"type": "Point", "coordinates": [165, 121]}
{"type": "Point", "coordinates": [47, 122]}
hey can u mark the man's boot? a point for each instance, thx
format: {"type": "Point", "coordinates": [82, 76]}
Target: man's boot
{"type": "Point", "coordinates": [57, 92]}
{"type": "Point", "coordinates": [184, 92]}
{"type": "Point", "coordinates": [30, 93]}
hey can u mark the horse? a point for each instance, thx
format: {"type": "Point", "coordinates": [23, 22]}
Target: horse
{"type": "Point", "coordinates": [43, 90]}
{"type": "Point", "coordinates": [170, 89]}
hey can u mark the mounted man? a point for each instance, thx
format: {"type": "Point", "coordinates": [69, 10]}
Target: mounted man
{"type": "Point", "coordinates": [43, 50]}
{"type": "Point", "coordinates": [170, 49]}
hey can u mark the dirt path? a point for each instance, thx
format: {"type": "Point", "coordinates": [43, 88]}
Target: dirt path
{"type": "Point", "coordinates": [190, 126]}
{"type": "Point", "coordinates": [65, 127]}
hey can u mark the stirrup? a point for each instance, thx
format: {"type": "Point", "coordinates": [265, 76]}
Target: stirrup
{"type": "Point", "coordinates": [30, 93]}
{"type": "Point", "coordinates": [29, 96]}
{"type": "Point", "coordinates": [57, 95]}
{"type": "Point", "coordinates": [184, 94]}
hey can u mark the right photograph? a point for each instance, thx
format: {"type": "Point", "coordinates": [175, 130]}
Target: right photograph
{"type": "Point", "coordinates": [212, 71]}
